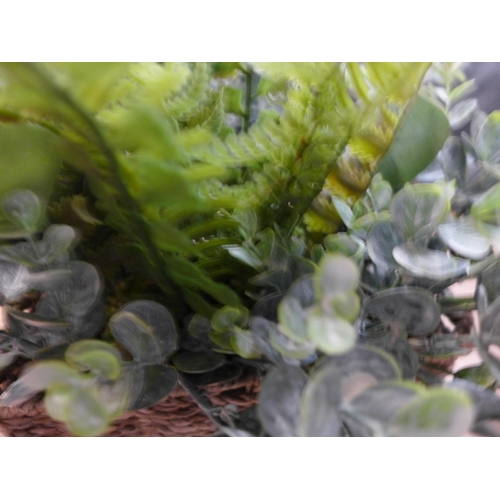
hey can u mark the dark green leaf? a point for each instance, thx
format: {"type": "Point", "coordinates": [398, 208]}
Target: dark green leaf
{"type": "Point", "coordinates": [453, 160]}
{"type": "Point", "coordinates": [405, 309]}
{"type": "Point", "coordinates": [417, 140]}
{"type": "Point", "coordinates": [480, 375]}
{"type": "Point", "coordinates": [198, 362]}
{"type": "Point", "coordinates": [148, 384]}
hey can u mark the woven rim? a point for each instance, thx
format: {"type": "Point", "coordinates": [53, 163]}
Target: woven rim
{"type": "Point", "coordinates": [175, 416]}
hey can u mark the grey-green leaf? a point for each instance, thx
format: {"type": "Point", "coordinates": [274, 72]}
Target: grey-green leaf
{"type": "Point", "coordinates": [24, 209]}
{"type": "Point", "coordinates": [418, 209]}
{"type": "Point", "coordinates": [461, 113]}
{"type": "Point", "coordinates": [319, 404]}
{"type": "Point", "coordinates": [438, 412]}
{"type": "Point", "coordinates": [278, 405]}
{"type": "Point", "coordinates": [463, 238]}
{"type": "Point", "coordinates": [146, 329]}
{"type": "Point", "coordinates": [488, 140]}
{"type": "Point", "coordinates": [381, 241]}
{"type": "Point", "coordinates": [432, 264]}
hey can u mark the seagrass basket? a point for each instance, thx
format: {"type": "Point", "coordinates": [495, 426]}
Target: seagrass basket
{"type": "Point", "coordinates": [175, 416]}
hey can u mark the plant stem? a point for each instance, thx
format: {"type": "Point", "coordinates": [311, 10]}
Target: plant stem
{"type": "Point", "coordinates": [202, 401]}
{"type": "Point", "coordinates": [248, 99]}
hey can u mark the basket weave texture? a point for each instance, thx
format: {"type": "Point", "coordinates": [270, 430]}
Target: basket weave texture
{"type": "Point", "coordinates": [175, 416]}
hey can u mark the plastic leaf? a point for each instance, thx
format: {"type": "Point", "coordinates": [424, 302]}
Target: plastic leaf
{"type": "Point", "coordinates": [417, 210]}
{"type": "Point", "coordinates": [438, 412]}
{"type": "Point", "coordinates": [487, 207]}
{"type": "Point", "coordinates": [330, 333]}
{"type": "Point", "coordinates": [417, 140]}
{"type": "Point", "coordinates": [336, 275]}
{"type": "Point", "coordinates": [148, 384]}
{"type": "Point", "coordinates": [319, 404]}
{"type": "Point", "coordinates": [278, 405]}
{"type": "Point", "coordinates": [292, 318]}
{"type": "Point", "coordinates": [488, 140]}
{"type": "Point", "coordinates": [23, 208]}
{"type": "Point", "coordinates": [405, 309]}
{"type": "Point", "coordinates": [452, 158]}
{"type": "Point", "coordinates": [362, 359]}
{"type": "Point", "coordinates": [381, 241]}
{"type": "Point", "coordinates": [98, 357]}
{"type": "Point", "coordinates": [146, 329]}
{"type": "Point", "coordinates": [376, 406]}
{"type": "Point", "coordinates": [14, 280]}
{"type": "Point", "coordinates": [463, 238]}
{"type": "Point", "coordinates": [197, 362]}
{"type": "Point", "coordinates": [461, 113]}
{"type": "Point", "coordinates": [432, 264]}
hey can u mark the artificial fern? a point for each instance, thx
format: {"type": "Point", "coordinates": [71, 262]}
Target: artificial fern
{"type": "Point", "coordinates": [169, 173]}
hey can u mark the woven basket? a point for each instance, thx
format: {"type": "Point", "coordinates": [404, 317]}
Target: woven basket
{"type": "Point", "coordinates": [175, 416]}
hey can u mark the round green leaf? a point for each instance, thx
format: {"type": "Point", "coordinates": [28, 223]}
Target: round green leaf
{"type": "Point", "coordinates": [418, 139]}
{"type": "Point", "coordinates": [432, 264]}
{"type": "Point", "coordinates": [292, 319]}
{"type": "Point", "coordinates": [480, 375]}
{"type": "Point", "coordinates": [146, 329]}
{"type": "Point", "coordinates": [97, 356]}
{"type": "Point", "coordinates": [198, 362]}
{"type": "Point", "coordinates": [409, 310]}
{"type": "Point", "coordinates": [148, 384]}
{"type": "Point", "coordinates": [363, 359]}
{"type": "Point", "coordinates": [452, 159]}
{"type": "Point", "coordinates": [278, 405]}
{"type": "Point", "coordinates": [319, 404]}
{"type": "Point", "coordinates": [243, 343]}
{"type": "Point", "coordinates": [330, 333]}
{"type": "Point", "coordinates": [45, 374]}
{"type": "Point", "coordinates": [23, 208]}
{"type": "Point", "coordinates": [439, 412]}
{"type": "Point", "coordinates": [463, 238]}
{"type": "Point", "coordinates": [337, 274]}
{"type": "Point", "coordinates": [418, 209]}
{"type": "Point", "coordinates": [375, 406]}
{"type": "Point", "coordinates": [488, 139]}
{"type": "Point", "coordinates": [381, 241]}
{"type": "Point", "coordinates": [487, 207]}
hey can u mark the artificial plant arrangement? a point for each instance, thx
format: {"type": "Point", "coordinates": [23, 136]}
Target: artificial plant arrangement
{"type": "Point", "coordinates": [234, 215]}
